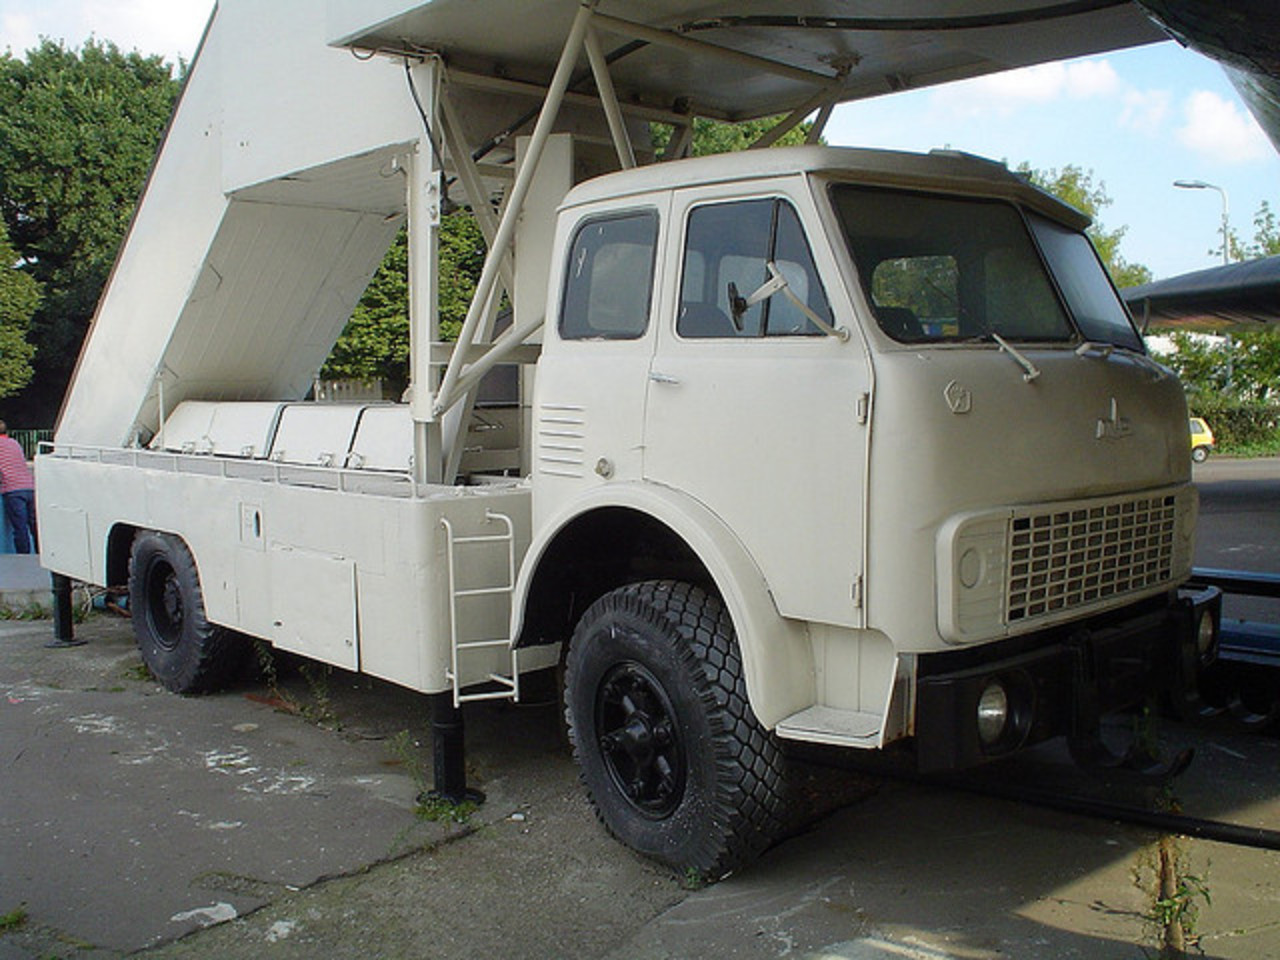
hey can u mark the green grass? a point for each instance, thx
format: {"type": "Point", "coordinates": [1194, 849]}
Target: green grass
{"type": "Point", "coordinates": [1260, 448]}
{"type": "Point", "coordinates": [439, 810]}
{"type": "Point", "coordinates": [14, 918]}
{"type": "Point", "coordinates": [32, 611]}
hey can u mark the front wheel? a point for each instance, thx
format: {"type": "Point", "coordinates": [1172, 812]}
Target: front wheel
{"type": "Point", "coordinates": [676, 764]}
{"type": "Point", "coordinates": [181, 648]}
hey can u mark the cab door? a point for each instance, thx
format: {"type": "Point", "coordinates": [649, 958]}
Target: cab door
{"type": "Point", "coordinates": [754, 409]}
{"type": "Point", "coordinates": [593, 374]}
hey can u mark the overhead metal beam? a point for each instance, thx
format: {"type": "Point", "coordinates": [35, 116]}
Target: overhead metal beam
{"type": "Point", "coordinates": [609, 100]}
{"type": "Point", "coordinates": [793, 119]}
{"type": "Point", "coordinates": [469, 175]}
{"type": "Point", "coordinates": [676, 41]}
{"type": "Point", "coordinates": [480, 81]}
{"type": "Point", "coordinates": [820, 122]}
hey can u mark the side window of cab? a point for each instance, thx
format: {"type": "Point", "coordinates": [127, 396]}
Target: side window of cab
{"type": "Point", "coordinates": [731, 251]}
{"type": "Point", "coordinates": [608, 286]}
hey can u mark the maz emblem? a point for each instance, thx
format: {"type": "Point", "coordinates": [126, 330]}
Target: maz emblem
{"type": "Point", "coordinates": [958, 397]}
{"type": "Point", "coordinates": [1114, 426]}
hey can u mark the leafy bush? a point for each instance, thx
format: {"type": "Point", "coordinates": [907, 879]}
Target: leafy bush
{"type": "Point", "coordinates": [1241, 427]}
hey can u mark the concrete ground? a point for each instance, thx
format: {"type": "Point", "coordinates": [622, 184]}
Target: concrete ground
{"type": "Point", "coordinates": [250, 824]}
{"type": "Point", "coordinates": [24, 584]}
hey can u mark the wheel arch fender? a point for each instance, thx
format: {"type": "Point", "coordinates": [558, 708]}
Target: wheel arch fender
{"type": "Point", "coordinates": [119, 546]}
{"type": "Point", "coordinates": [776, 653]}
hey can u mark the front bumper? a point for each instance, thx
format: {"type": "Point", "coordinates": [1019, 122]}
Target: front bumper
{"type": "Point", "coordinates": [1060, 681]}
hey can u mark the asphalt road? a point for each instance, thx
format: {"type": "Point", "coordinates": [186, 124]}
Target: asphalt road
{"type": "Point", "coordinates": [1239, 525]}
{"type": "Point", "coordinates": [1239, 514]}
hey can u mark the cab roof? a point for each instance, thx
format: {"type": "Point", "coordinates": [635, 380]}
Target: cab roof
{"type": "Point", "coordinates": [943, 171]}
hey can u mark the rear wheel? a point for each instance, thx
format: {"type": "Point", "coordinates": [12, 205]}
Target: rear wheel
{"type": "Point", "coordinates": [676, 764]}
{"type": "Point", "coordinates": [1200, 454]}
{"type": "Point", "coordinates": [181, 648]}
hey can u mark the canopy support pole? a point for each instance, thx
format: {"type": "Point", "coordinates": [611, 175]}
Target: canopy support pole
{"type": "Point", "coordinates": [449, 392]}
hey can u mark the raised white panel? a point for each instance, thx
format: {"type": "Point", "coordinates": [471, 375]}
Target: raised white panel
{"type": "Point", "coordinates": [243, 429]}
{"type": "Point", "coordinates": [290, 101]}
{"type": "Point", "coordinates": [318, 434]}
{"type": "Point", "coordinates": [384, 439]}
{"type": "Point", "coordinates": [187, 429]}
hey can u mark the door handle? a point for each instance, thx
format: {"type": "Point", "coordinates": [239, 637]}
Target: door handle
{"type": "Point", "coordinates": [662, 377]}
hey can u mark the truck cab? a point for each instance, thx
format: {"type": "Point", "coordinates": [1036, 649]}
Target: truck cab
{"type": "Point", "coordinates": [897, 397]}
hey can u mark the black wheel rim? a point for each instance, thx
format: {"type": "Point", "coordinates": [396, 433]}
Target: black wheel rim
{"type": "Point", "coordinates": [639, 740]}
{"type": "Point", "coordinates": [165, 608]}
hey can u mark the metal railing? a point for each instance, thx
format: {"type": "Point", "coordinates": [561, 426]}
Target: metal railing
{"type": "Point", "coordinates": [30, 440]}
{"type": "Point", "coordinates": [376, 483]}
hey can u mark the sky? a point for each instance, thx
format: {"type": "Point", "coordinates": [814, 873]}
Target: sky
{"type": "Point", "coordinates": [1137, 120]}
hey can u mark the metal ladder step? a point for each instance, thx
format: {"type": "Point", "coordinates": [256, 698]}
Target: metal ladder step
{"type": "Point", "coordinates": [509, 684]}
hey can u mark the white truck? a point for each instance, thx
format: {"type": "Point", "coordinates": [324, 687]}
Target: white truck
{"type": "Point", "coordinates": [822, 445]}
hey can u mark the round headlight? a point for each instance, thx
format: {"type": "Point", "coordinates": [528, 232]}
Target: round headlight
{"type": "Point", "coordinates": [993, 713]}
{"type": "Point", "coordinates": [1205, 633]}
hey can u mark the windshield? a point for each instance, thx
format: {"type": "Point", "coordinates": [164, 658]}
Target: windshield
{"type": "Point", "coordinates": [1085, 285]}
{"type": "Point", "coordinates": [940, 269]}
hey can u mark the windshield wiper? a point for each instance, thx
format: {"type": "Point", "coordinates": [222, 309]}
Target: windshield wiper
{"type": "Point", "coordinates": [1031, 371]}
{"type": "Point", "coordinates": [1102, 351]}
{"type": "Point", "coordinates": [1092, 348]}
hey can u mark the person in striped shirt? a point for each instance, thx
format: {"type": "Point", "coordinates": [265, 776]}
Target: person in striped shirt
{"type": "Point", "coordinates": [18, 487]}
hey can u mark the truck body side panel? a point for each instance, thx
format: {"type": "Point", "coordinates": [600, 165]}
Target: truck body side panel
{"type": "Point", "coordinates": [359, 580]}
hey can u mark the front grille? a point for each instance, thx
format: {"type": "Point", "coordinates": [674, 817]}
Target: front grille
{"type": "Point", "coordinates": [1074, 557]}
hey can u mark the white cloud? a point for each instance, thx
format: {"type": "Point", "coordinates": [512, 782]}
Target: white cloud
{"type": "Point", "coordinates": [19, 32]}
{"type": "Point", "coordinates": [1221, 130]}
{"type": "Point", "coordinates": [1091, 78]}
{"type": "Point", "coordinates": [167, 27]}
{"type": "Point", "coordinates": [1144, 111]}
{"type": "Point", "coordinates": [1004, 93]}
{"type": "Point", "coordinates": [170, 28]}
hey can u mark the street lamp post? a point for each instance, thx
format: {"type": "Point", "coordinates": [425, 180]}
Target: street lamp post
{"type": "Point", "coordinates": [1202, 185]}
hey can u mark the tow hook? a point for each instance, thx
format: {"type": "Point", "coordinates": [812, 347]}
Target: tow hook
{"type": "Point", "coordinates": [1137, 764]}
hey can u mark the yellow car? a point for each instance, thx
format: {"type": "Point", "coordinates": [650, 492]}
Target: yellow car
{"type": "Point", "coordinates": [1201, 440]}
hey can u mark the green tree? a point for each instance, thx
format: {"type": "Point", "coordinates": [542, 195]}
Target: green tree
{"type": "Point", "coordinates": [1242, 368]}
{"type": "Point", "coordinates": [375, 342]}
{"type": "Point", "coordinates": [1075, 186]}
{"type": "Point", "coordinates": [19, 297]}
{"type": "Point", "coordinates": [1256, 366]}
{"type": "Point", "coordinates": [374, 345]}
{"type": "Point", "coordinates": [1266, 237]}
{"type": "Point", "coordinates": [716, 136]}
{"type": "Point", "coordinates": [462, 250]}
{"type": "Point", "coordinates": [78, 130]}
{"type": "Point", "coordinates": [1203, 364]}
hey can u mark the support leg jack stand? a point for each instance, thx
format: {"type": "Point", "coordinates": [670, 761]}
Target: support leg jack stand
{"type": "Point", "coordinates": [64, 630]}
{"type": "Point", "coordinates": [448, 753]}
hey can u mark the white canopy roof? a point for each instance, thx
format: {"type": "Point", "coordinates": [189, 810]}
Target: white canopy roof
{"type": "Point", "coordinates": [866, 49]}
